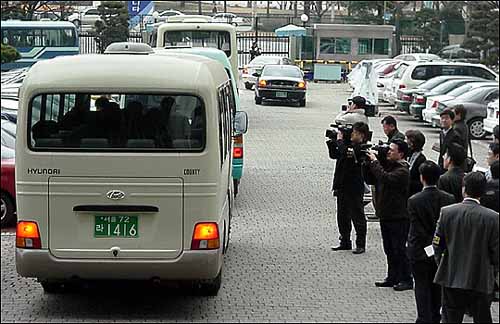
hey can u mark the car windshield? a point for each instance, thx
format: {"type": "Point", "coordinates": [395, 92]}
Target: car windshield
{"type": "Point", "coordinates": [460, 90]}
{"type": "Point", "coordinates": [262, 60]}
{"type": "Point", "coordinates": [448, 86]}
{"type": "Point", "coordinates": [187, 38]}
{"type": "Point", "coordinates": [474, 95]}
{"type": "Point", "coordinates": [123, 121]}
{"type": "Point", "coordinates": [431, 83]}
{"type": "Point", "coordinates": [282, 70]}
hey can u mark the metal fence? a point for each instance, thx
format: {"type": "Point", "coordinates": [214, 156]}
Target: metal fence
{"type": "Point", "coordinates": [412, 44]}
{"type": "Point", "coordinates": [88, 42]}
{"type": "Point", "coordinates": [269, 44]}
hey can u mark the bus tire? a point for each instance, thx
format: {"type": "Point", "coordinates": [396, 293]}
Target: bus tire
{"type": "Point", "coordinates": [8, 210]}
{"type": "Point", "coordinates": [208, 287]}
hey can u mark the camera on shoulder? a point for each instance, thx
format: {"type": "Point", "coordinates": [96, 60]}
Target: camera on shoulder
{"type": "Point", "coordinates": [334, 130]}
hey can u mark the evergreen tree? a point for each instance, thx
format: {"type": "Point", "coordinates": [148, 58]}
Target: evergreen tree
{"type": "Point", "coordinates": [9, 54]}
{"type": "Point", "coordinates": [113, 26]}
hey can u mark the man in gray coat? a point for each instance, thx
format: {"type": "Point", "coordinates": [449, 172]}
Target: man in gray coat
{"type": "Point", "coordinates": [466, 251]}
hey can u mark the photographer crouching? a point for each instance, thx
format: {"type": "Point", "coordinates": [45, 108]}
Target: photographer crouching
{"type": "Point", "coordinates": [345, 146]}
{"type": "Point", "coordinates": [392, 178]}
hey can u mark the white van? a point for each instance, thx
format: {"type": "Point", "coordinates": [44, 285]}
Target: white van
{"type": "Point", "coordinates": [138, 188]}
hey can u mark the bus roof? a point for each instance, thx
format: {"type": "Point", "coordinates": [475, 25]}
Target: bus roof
{"type": "Point", "coordinates": [186, 73]}
{"type": "Point", "coordinates": [196, 26]}
{"type": "Point", "coordinates": [212, 53]}
{"type": "Point", "coordinates": [37, 24]}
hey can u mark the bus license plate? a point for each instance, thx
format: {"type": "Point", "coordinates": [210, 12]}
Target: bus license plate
{"type": "Point", "coordinates": [116, 226]}
{"type": "Point", "coordinates": [280, 94]}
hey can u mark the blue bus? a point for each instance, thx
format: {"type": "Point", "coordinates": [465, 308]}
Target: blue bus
{"type": "Point", "coordinates": [38, 40]}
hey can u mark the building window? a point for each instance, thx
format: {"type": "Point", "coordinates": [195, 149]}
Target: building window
{"type": "Point", "coordinates": [343, 46]}
{"type": "Point", "coordinates": [365, 46]}
{"type": "Point", "coordinates": [381, 46]}
{"type": "Point", "coordinates": [327, 46]}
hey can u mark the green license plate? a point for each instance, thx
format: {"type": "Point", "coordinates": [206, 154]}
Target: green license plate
{"type": "Point", "coordinates": [116, 226]}
{"type": "Point", "coordinates": [280, 94]}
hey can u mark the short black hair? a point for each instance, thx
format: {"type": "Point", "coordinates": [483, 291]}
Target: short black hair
{"type": "Point", "coordinates": [402, 147]}
{"type": "Point", "coordinates": [101, 102]}
{"type": "Point", "coordinates": [430, 172]}
{"type": "Point", "coordinates": [363, 128]}
{"type": "Point", "coordinates": [389, 120]}
{"type": "Point", "coordinates": [475, 184]}
{"type": "Point", "coordinates": [495, 169]}
{"type": "Point", "coordinates": [359, 101]}
{"type": "Point", "coordinates": [448, 112]}
{"type": "Point", "coordinates": [460, 110]}
{"type": "Point", "coordinates": [457, 154]}
{"type": "Point", "coordinates": [494, 147]}
{"type": "Point", "coordinates": [417, 138]}
{"type": "Point", "coordinates": [496, 131]}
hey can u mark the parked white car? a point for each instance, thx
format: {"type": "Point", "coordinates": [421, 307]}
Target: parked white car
{"type": "Point", "coordinates": [492, 120]}
{"type": "Point", "coordinates": [162, 16]}
{"type": "Point", "coordinates": [230, 18]}
{"type": "Point", "coordinates": [88, 17]}
{"type": "Point", "coordinates": [418, 57]}
{"type": "Point", "coordinates": [392, 87]}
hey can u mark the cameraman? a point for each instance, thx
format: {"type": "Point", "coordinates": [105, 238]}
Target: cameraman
{"type": "Point", "coordinates": [348, 185]}
{"type": "Point", "coordinates": [392, 197]}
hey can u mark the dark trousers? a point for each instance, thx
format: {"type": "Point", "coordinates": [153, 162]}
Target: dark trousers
{"type": "Point", "coordinates": [394, 236]}
{"type": "Point", "coordinates": [350, 209]}
{"type": "Point", "coordinates": [456, 301]}
{"type": "Point", "coordinates": [427, 293]}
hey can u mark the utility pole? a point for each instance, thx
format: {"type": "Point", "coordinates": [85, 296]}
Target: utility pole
{"type": "Point", "coordinates": [199, 8]}
{"type": "Point", "coordinates": [332, 7]}
{"type": "Point", "coordinates": [385, 7]}
{"type": "Point", "coordinates": [225, 6]}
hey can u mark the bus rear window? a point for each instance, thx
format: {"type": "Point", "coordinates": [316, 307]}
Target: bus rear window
{"type": "Point", "coordinates": [185, 38]}
{"type": "Point", "coordinates": [123, 122]}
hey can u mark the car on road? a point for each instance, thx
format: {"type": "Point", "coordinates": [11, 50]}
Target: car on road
{"type": "Point", "coordinates": [475, 103]}
{"type": "Point", "coordinates": [231, 18]}
{"type": "Point", "coordinates": [257, 64]}
{"type": "Point", "coordinates": [492, 120]}
{"type": "Point", "coordinates": [436, 86]}
{"type": "Point", "coordinates": [7, 186]}
{"type": "Point", "coordinates": [432, 103]}
{"type": "Point", "coordinates": [88, 17]}
{"type": "Point", "coordinates": [281, 83]}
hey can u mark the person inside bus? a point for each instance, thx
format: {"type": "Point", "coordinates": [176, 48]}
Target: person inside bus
{"type": "Point", "coordinates": [165, 110]}
{"type": "Point", "coordinates": [133, 120]}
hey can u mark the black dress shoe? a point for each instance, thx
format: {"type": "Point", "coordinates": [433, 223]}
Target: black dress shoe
{"type": "Point", "coordinates": [342, 247]}
{"type": "Point", "coordinates": [402, 286]}
{"type": "Point", "coordinates": [358, 251]}
{"type": "Point", "coordinates": [384, 283]}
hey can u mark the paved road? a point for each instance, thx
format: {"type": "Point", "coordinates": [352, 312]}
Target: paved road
{"type": "Point", "coordinates": [280, 266]}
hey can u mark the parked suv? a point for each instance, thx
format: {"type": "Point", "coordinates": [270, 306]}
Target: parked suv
{"type": "Point", "coordinates": [420, 72]}
{"type": "Point", "coordinates": [87, 17]}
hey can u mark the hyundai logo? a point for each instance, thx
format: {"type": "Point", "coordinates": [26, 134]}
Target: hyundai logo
{"type": "Point", "coordinates": [115, 194]}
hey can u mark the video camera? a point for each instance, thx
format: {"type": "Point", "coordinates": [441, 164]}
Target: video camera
{"type": "Point", "coordinates": [381, 150]}
{"type": "Point", "coordinates": [334, 130]}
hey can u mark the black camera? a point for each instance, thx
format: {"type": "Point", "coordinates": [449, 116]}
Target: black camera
{"type": "Point", "coordinates": [334, 130]}
{"type": "Point", "coordinates": [381, 150]}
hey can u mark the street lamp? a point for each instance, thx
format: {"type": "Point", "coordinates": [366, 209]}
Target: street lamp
{"type": "Point", "coordinates": [304, 18]}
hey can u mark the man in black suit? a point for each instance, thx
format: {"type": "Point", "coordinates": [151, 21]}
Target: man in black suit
{"type": "Point", "coordinates": [416, 142]}
{"type": "Point", "coordinates": [392, 197]}
{"type": "Point", "coordinates": [447, 136]}
{"type": "Point", "coordinates": [452, 180]}
{"type": "Point", "coordinates": [424, 209]}
{"type": "Point", "coordinates": [466, 252]}
{"type": "Point", "coordinates": [348, 186]}
{"type": "Point", "coordinates": [460, 126]}
{"type": "Point", "coordinates": [390, 126]}
{"type": "Point", "coordinates": [491, 198]}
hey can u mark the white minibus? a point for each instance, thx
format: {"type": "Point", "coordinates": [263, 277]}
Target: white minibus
{"type": "Point", "coordinates": [133, 185]}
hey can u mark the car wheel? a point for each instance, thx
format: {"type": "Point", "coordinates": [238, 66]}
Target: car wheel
{"type": "Point", "coordinates": [7, 210]}
{"type": "Point", "coordinates": [248, 86]}
{"type": "Point", "coordinates": [476, 128]}
{"type": "Point", "coordinates": [258, 100]}
{"type": "Point", "coordinates": [208, 287]}
{"type": "Point", "coordinates": [302, 103]}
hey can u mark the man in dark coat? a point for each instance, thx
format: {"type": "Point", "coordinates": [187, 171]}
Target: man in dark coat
{"type": "Point", "coordinates": [491, 198]}
{"type": "Point", "coordinates": [460, 126]}
{"type": "Point", "coordinates": [466, 252]}
{"type": "Point", "coordinates": [390, 126]}
{"type": "Point", "coordinates": [447, 136]}
{"type": "Point", "coordinates": [392, 197]}
{"type": "Point", "coordinates": [416, 142]}
{"type": "Point", "coordinates": [423, 210]}
{"type": "Point", "coordinates": [452, 180]}
{"type": "Point", "coordinates": [348, 186]}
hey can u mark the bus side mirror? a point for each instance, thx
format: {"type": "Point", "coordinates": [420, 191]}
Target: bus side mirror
{"type": "Point", "coordinates": [240, 122]}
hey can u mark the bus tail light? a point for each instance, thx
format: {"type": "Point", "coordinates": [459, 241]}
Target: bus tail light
{"type": "Point", "coordinates": [28, 236]}
{"type": "Point", "coordinates": [238, 152]}
{"type": "Point", "coordinates": [205, 237]}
